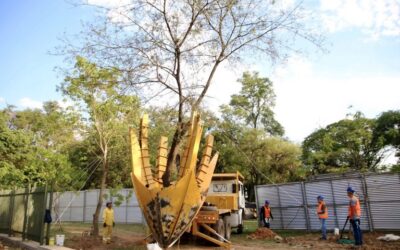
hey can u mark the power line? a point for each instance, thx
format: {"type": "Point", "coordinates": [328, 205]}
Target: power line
{"type": "Point", "coordinates": [73, 198]}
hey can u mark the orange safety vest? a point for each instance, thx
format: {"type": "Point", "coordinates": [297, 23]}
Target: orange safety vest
{"type": "Point", "coordinates": [357, 208]}
{"type": "Point", "coordinates": [319, 210]}
{"type": "Point", "coordinates": [267, 212]}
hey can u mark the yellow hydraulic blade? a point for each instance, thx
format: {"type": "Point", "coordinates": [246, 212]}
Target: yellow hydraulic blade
{"type": "Point", "coordinates": [162, 158]}
{"type": "Point", "coordinates": [170, 211]}
{"type": "Point", "coordinates": [136, 156]}
{"type": "Point", "coordinates": [205, 174]}
{"type": "Point", "coordinates": [186, 147]}
{"type": "Point", "coordinates": [193, 149]}
{"type": "Point", "coordinates": [146, 174]}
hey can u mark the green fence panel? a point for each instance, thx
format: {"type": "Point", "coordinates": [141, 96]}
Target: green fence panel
{"type": "Point", "coordinates": [18, 213]}
{"type": "Point", "coordinates": [36, 208]}
{"type": "Point", "coordinates": [22, 212]}
{"type": "Point", "coordinates": [5, 211]}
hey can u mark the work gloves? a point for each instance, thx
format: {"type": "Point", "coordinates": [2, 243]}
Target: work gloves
{"type": "Point", "coordinates": [104, 224]}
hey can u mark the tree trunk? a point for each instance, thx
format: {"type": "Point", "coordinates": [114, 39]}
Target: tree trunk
{"type": "Point", "coordinates": [100, 200]}
{"type": "Point", "coordinates": [173, 152]}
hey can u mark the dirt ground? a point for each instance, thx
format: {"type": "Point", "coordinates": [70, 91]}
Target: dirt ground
{"type": "Point", "coordinates": [133, 238]}
{"type": "Point", "coordinates": [308, 241]}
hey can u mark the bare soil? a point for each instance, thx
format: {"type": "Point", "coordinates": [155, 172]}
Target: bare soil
{"type": "Point", "coordinates": [91, 242]}
{"type": "Point", "coordinates": [261, 238]}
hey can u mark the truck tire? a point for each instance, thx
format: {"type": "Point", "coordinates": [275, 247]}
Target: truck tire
{"type": "Point", "coordinates": [219, 227]}
{"type": "Point", "coordinates": [240, 229]}
{"type": "Point", "coordinates": [228, 228]}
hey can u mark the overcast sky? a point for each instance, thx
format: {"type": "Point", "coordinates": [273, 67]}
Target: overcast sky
{"type": "Point", "coordinates": [361, 72]}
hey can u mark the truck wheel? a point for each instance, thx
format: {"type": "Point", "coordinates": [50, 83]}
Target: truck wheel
{"type": "Point", "coordinates": [240, 229]}
{"type": "Point", "coordinates": [219, 227]}
{"type": "Point", "coordinates": [228, 228]}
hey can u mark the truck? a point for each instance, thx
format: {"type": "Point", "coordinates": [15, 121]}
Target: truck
{"type": "Point", "coordinates": [222, 211]}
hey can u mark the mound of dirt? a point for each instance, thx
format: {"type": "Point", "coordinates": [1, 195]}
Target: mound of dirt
{"type": "Point", "coordinates": [262, 233]}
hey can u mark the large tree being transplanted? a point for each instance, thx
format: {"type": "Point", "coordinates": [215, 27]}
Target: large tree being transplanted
{"type": "Point", "coordinates": [174, 48]}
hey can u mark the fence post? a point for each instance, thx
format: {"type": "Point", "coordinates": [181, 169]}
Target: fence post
{"type": "Point", "coordinates": [26, 195]}
{"type": "Point", "coordinates": [126, 205]}
{"type": "Point", "coordinates": [84, 207]}
{"type": "Point", "coordinates": [334, 205]}
{"type": "Point", "coordinates": [305, 205]}
{"type": "Point", "coordinates": [43, 207]}
{"type": "Point", "coordinates": [50, 206]}
{"type": "Point", "coordinates": [280, 206]}
{"type": "Point", "coordinates": [367, 203]}
{"type": "Point", "coordinates": [11, 212]}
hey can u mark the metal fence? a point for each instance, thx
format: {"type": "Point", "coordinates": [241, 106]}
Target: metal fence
{"type": "Point", "coordinates": [293, 205]}
{"type": "Point", "coordinates": [80, 206]}
{"type": "Point", "coordinates": [22, 211]}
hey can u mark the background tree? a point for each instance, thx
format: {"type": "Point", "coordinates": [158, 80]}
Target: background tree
{"type": "Point", "coordinates": [34, 146]}
{"type": "Point", "coordinates": [253, 105]}
{"type": "Point", "coordinates": [97, 91]}
{"type": "Point", "coordinates": [387, 132]}
{"type": "Point", "coordinates": [245, 137]}
{"type": "Point", "coordinates": [260, 158]}
{"type": "Point", "coordinates": [175, 47]}
{"type": "Point", "coordinates": [344, 145]}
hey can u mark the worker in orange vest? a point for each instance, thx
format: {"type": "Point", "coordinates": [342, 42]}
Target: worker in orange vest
{"type": "Point", "coordinates": [354, 214]}
{"type": "Point", "coordinates": [265, 214]}
{"type": "Point", "coordinates": [322, 212]}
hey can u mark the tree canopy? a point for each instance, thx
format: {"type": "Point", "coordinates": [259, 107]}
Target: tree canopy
{"type": "Point", "coordinates": [174, 48]}
{"type": "Point", "coordinates": [253, 105]}
{"type": "Point", "coordinates": [342, 146]}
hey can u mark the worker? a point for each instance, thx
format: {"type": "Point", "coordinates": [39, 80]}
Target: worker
{"type": "Point", "coordinates": [322, 212]}
{"type": "Point", "coordinates": [354, 214]}
{"type": "Point", "coordinates": [265, 214]}
{"type": "Point", "coordinates": [108, 222]}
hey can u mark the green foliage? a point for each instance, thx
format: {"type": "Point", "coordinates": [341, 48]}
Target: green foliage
{"type": "Point", "coordinates": [387, 130]}
{"type": "Point", "coordinates": [260, 158]}
{"type": "Point", "coordinates": [253, 105]}
{"type": "Point", "coordinates": [108, 113]}
{"type": "Point", "coordinates": [33, 146]}
{"type": "Point", "coordinates": [344, 145]}
{"type": "Point", "coordinates": [245, 137]}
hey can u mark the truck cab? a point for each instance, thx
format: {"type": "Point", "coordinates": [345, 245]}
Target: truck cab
{"type": "Point", "coordinates": [226, 192]}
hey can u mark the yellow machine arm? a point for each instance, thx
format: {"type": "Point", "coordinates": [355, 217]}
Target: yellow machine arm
{"type": "Point", "coordinates": [169, 211]}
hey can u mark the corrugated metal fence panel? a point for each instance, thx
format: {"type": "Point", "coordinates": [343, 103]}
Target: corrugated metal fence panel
{"type": "Point", "coordinates": [340, 190]}
{"type": "Point", "coordinates": [341, 198]}
{"type": "Point", "coordinates": [91, 203]}
{"type": "Point", "coordinates": [292, 206]}
{"type": "Point", "coordinates": [270, 192]}
{"type": "Point", "coordinates": [384, 196]}
{"type": "Point", "coordinates": [386, 215]}
{"type": "Point", "coordinates": [313, 190]}
{"type": "Point", "coordinates": [267, 193]}
{"type": "Point", "coordinates": [134, 215]}
{"type": "Point", "coordinates": [80, 206]}
{"type": "Point", "coordinates": [383, 191]}
{"type": "Point", "coordinates": [294, 218]}
{"type": "Point", "coordinates": [291, 195]}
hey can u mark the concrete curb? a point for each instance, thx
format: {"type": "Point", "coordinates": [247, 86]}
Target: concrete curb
{"type": "Point", "coordinates": [28, 245]}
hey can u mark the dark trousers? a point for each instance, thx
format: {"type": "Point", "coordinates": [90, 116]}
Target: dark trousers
{"type": "Point", "coordinates": [266, 222]}
{"type": "Point", "coordinates": [357, 231]}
